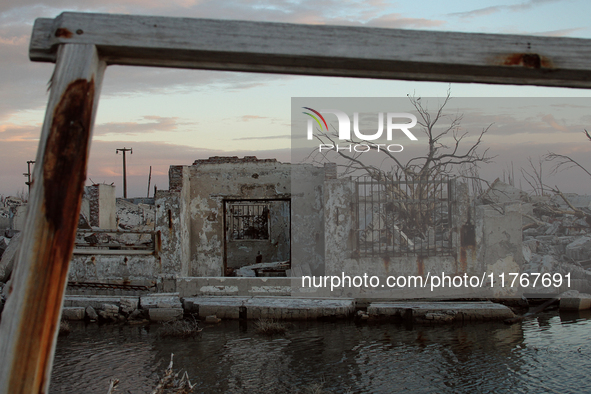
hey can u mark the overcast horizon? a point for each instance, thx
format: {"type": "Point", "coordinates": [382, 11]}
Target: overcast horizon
{"type": "Point", "coordinates": [172, 117]}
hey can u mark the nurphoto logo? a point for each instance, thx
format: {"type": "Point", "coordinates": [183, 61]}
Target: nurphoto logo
{"type": "Point", "coordinates": [344, 130]}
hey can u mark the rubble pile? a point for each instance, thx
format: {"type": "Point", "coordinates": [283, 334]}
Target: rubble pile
{"type": "Point", "coordinates": [133, 310]}
{"type": "Point", "coordinates": [556, 232]}
{"type": "Point", "coordinates": [132, 216]}
{"type": "Point", "coordinates": [10, 208]}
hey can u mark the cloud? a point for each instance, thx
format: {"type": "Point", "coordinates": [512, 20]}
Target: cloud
{"type": "Point", "coordinates": [269, 137]}
{"type": "Point", "coordinates": [478, 12]}
{"type": "Point", "coordinates": [151, 124]}
{"type": "Point", "coordinates": [398, 21]}
{"type": "Point", "coordinates": [554, 124]}
{"type": "Point", "coordinates": [526, 5]}
{"type": "Point", "coordinates": [247, 118]}
{"type": "Point", "coordinates": [11, 132]}
{"type": "Point", "coordinates": [106, 166]}
{"type": "Point", "coordinates": [559, 33]}
{"type": "Point", "coordinates": [24, 83]}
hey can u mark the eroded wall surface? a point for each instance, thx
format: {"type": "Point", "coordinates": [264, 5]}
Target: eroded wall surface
{"type": "Point", "coordinates": [194, 218]}
{"type": "Point", "coordinates": [217, 182]}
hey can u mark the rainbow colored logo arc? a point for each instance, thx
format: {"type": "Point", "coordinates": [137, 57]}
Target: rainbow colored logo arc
{"type": "Point", "coordinates": [315, 118]}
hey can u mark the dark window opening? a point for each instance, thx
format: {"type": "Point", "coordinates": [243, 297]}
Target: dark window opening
{"type": "Point", "coordinates": [248, 221]}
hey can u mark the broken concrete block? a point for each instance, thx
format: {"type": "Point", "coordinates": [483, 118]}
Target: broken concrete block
{"type": "Point", "coordinates": [10, 233]}
{"type": "Point", "coordinates": [83, 222]}
{"type": "Point", "coordinates": [553, 229]}
{"type": "Point", "coordinates": [105, 315]}
{"type": "Point", "coordinates": [136, 314]}
{"type": "Point", "coordinates": [109, 312]}
{"type": "Point", "coordinates": [574, 301]}
{"type": "Point", "coordinates": [527, 253]}
{"type": "Point", "coordinates": [163, 300]}
{"type": "Point", "coordinates": [579, 249]}
{"type": "Point", "coordinates": [91, 313]}
{"type": "Point", "coordinates": [73, 313]}
{"type": "Point", "coordinates": [165, 314]}
{"type": "Point", "coordinates": [129, 305]}
{"type": "Point", "coordinates": [9, 257]}
{"type": "Point", "coordinates": [500, 192]}
{"type": "Point", "coordinates": [532, 244]}
{"type": "Point", "coordinates": [3, 244]}
{"type": "Point", "coordinates": [212, 319]}
{"type": "Point", "coordinates": [576, 200]}
{"type": "Point", "coordinates": [96, 302]}
{"type": "Point", "coordinates": [110, 308]}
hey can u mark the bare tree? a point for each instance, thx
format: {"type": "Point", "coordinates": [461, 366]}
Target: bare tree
{"type": "Point", "coordinates": [447, 152]}
{"type": "Point", "coordinates": [534, 176]}
{"type": "Point", "coordinates": [562, 162]}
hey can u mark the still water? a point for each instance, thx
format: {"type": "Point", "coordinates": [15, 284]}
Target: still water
{"type": "Point", "coordinates": [547, 354]}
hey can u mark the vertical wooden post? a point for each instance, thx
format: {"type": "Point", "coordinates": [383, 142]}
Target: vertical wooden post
{"type": "Point", "coordinates": [31, 316]}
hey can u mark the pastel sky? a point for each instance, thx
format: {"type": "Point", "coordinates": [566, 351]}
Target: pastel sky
{"type": "Point", "coordinates": [176, 116]}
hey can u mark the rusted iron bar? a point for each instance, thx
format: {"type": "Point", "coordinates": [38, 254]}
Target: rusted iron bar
{"type": "Point", "coordinates": [96, 285]}
{"type": "Point", "coordinates": [28, 330]}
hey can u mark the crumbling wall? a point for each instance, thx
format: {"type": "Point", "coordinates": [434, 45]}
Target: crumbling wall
{"type": "Point", "coordinates": [120, 269]}
{"type": "Point", "coordinates": [341, 256]}
{"type": "Point", "coordinates": [308, 218]}
{"type": "Point", "coordinates": [12, 213]}
{"type": "Point", "coordinates": [554, 230]}
{"type": "Point", "coordinates": [499, 240]}
{"type": "Point", "coordinates": [132, 216]}
{"type": "Point", "coordinates": [20, 217]}
{"type": "Point", "coordinates": [216, 181]}
{"type": "Point", "coordinates": [101, 206]}
{"type": "Point", "coordinates": [199, 195]}
{"type": "Point", "coordinates": [172, 225]}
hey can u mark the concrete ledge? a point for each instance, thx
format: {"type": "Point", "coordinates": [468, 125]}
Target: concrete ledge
{"type": "Point", "coordinates": [160, 300]}
{"type": "Point", "coordinates": [575, 301]}
{"type": "Point", "coordinates": [440, 312]}
{"type": "Point", "coordinates": [233, 286]}
{"type": "Point", "coordinates": [284, 308]}
{"type": "Point", "coordinates": [94, 301]}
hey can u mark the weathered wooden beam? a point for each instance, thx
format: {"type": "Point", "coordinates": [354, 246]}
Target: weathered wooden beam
{"type": "Point", "coordinates": [320, 50]}
{"type": "Point", "coordinates": [31, 316]}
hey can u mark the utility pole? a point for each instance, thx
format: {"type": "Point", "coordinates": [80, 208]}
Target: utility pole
{"type": "Point", "coordinates": [149, 179]}
{"type": "Point", "coordinates": [130, 150]}
{"type": "Point", "coordinates": [28, 175]}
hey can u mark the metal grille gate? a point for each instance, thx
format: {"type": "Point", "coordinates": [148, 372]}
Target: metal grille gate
{"type": "Point", "coordinates": [400, 218]}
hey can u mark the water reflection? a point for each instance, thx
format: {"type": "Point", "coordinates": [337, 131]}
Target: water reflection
{"type": "Point", "coordinates": [548, 354]}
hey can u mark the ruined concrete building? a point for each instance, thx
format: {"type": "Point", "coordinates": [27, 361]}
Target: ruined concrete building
{"type": "Point", "coordinates": [226, 213]}
{"type": "Point", "coordinates": [225, 219]}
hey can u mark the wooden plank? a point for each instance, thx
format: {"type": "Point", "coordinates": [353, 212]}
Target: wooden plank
{"type": "Point", "coordinates": [319, 50]}
{"type": "Point", "coordinates": [32, 312]}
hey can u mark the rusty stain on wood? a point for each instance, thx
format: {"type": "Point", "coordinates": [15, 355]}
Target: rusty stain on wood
{"type": "Point", "coordinates": [528, 60]}
{"type": "Point", "coordinates": [64, 173]}
{"type": "Point", "coordinates": [63, 33]}
{"type": "Point", "coordinates": [65, 154]}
